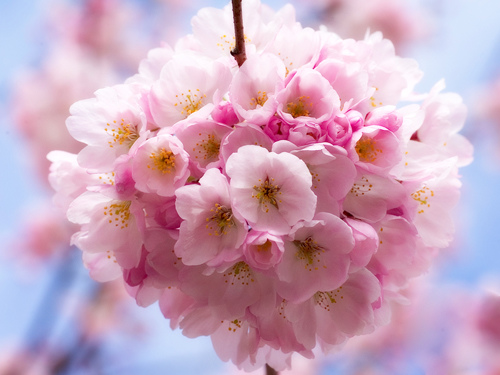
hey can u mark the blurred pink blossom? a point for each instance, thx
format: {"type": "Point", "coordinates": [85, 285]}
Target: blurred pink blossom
{"type": "Point", "coordinates": [400, 21]}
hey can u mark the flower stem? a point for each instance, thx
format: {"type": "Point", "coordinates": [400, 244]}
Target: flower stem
{"type": "Point", "coordinates": [270, 370]}
{"type": "Point", "coordinates": [239, 49]}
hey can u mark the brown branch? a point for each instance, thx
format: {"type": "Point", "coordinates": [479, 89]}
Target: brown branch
{"type": "Point", "coordinates": [239, 49]}
{"type": "Point", "coordinates": [270, 370]}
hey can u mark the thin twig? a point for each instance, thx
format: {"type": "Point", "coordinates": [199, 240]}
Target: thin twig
{"type": "Point", "coordinates": [270, 370]}
{"type": "Point", "coordinates": [239, 49]}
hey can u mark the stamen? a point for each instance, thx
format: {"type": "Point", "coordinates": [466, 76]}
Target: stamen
{"type": "Point", "coordinates": [208, 149]}
{"type": "Point", "coordinates": [265, 247]}
{"type": "Point", "coordinates": [107, 178]}
{"type": "Point", "coordinates": [260, 100]}
{"type": "Point", "coordinates": [362, 187]}
{"type": "Point", "coordinates": [122, 133]}
{"type": "Point", "coordinates": [309, 251]}
{"type": "Point", "coordinates": [227, 43]}
{"type": "Point", "coordinates": [118, 213]}
{"type": "Point", "coordinates": [299, 107]}
{"type": "Point", "coordinates": [240, 273]}
{"type": "Point", "coordinates": [367, 150]}
{"type": "Point", "coordinates": [233, 325]}
{"type": "Point", "coordinates": [164, 161]}
{"type": "Point", "coordinates": [422, 196]}
{"type": "Point", "coordinates": [266, 193]}
{"type": "Point", "coordinates": [222, 218]}
{"type": "Point", "coordinates": [327, 299]}
{"type": "Point", "coordinates": [190, 102]}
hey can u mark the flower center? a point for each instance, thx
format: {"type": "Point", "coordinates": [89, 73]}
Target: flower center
{"type": "Point", "coordinates": [164, 161]}
{"type": "Point", "coordinates": [266, 194]}
{"type": "Point", "coordinates": [190, 102]}
{"type": "Point", "coordinates": [300, 107]}
{"type": "Point", "coordinates": [107, 178]}
{"type": "Point", "coordinates": [208, 148]}
{"type": "Point", "coordinates": [122, 133]}
{"type": "Point", "coordinates": [422, 196]}
{"type": "Point", "coordinates": [367, 149]}
{"type": "Point", "coordinates": [240, 273]}
{"type": "Point", "coordinates": [233, 325]}
{"type": "Point", "coordinates": [327, 299]}
{"type": "Point", "coordinates": [260, 100]}
{"type": "Point", "coordinates": [361, 187]}
{"type": "Point", "coordinates": [229, 42]}
{"type": "Point", "coordinates": [265, 247]}
{"type": "Point", "coordinates": [309, 251]}
{"type": "Point", "coordinates": [222, 217]}
{"type": "Point", "coordinates": [119, 213]}
{"type": "Point", "coordinates": [373, 101]}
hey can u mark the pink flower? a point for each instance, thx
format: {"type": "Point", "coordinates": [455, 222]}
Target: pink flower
{"type": "Point", "coordinates": [397, 250]}
{"type": "Point", "coordinates": [189, 85]}
{"type": "Point", "coordinates": [386, 117]}
{"type": "Point", "coordinates": [254, 87]}
{"type": "Point", "coordinates": [284, 45]}
{"type": "Point", "coordinates": [162, 265]}
{"type": "Point", "coordinates": [271, 191]}
{"type": "Point", "coordinates": [433, 203]}
{"type": "Point", "coordinates": [211, 228]}
{"type": "Point", "coordinates": [246, 134]}
{"type": "Point", "coordinates": [225, 294]}
{"type": "Point", "coordinates": [109, 226]}
{"type": "Point", "coordinates": [102, 266]}
{"type": "Point", "coordinates": [375, 149]}
{"type": "Point", "coordinates": [334, 315]}
{"type": "Point", "coordinates": [307, 97]}
{"type": "Point", "coordinates": [332, 172]}
{"type": "Point", "coordinates": [109, 124]}
{"type": "Point", "coordinates": [386, 81]}
{"type": "Point", "coordinates": [316, 258]}
{"type": "Point", "coordinates": [160, 165]}
{"type": "Point", "coordinates": [213, 29]}
{"type": "Point", "coordinates": [157, 269]}
{"type": "Point", "coordinates": [234, 340]}
{"type": "Point", "coordinates": [444, 116]}
{"type": "Point", "coordinates": [263, 250]}
{"type": "Point", "coordinates": [202, 140]}
{"type": "Point", "coordinates": [372, 196]}
{"type": "Point", "coordinates": [69, 180]}
{"type": "Point", "coordinates": [366, 242]}
{"type": "Point", "coordinates": [150, 67]}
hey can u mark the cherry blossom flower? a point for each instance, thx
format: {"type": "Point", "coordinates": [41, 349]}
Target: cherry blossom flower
{"type": "Point", "coordinates": [254, 87]}
{"type": "Point", "coordinates": [272, 192]}
{"type": "Point", "coordinates": [316, 258]}
{"type": "Point", "coordinates": [188, 83]}
{"type": "Point", "coordinates": [109, 225]}
{"type": "Point", "coordinates": [109, 124]}
{"type": "Point", "coordinates": [211, 226]}
{"type": "Point", "coordinates": [160, 165]}
{"type": "Point", "coordinates": [280, 205]}
{"type": "Point", "coordinates": [202, 140]}
{"type": "Point", "coordinates": [307, 97]}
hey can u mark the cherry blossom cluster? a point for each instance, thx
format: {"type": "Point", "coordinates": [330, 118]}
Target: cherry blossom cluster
{"type": "Point", "coordinates": [277, 207]}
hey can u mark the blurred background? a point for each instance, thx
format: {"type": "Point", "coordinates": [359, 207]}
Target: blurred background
{"type": "Point", "coordinates": [55, 320]}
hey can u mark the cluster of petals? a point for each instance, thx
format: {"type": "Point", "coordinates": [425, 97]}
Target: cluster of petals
{"type": "Point", "coordinates": [278, 207]}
